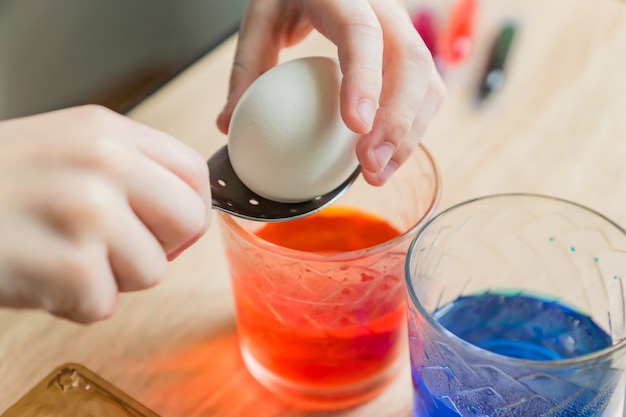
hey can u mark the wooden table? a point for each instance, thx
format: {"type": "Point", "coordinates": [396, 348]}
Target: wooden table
{"type": "Point", "coordinates": [557, 127]}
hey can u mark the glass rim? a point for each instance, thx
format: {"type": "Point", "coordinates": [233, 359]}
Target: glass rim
{"type": "Point", "coordinates": [536, 364]}
{"type": "Point", "coordinates": [230, 221]}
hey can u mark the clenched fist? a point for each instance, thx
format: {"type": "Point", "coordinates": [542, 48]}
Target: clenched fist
{"type": "Point", "coordinates": [92, 204]}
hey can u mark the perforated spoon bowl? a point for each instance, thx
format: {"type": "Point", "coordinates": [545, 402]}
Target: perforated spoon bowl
{"type": "Point", "coordinates": [231, 196]}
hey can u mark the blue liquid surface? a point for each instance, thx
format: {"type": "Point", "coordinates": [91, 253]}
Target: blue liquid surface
{"type": "Point", "coordinates": [453, 384]}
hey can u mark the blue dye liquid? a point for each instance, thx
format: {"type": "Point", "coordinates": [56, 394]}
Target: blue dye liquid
{"type": "Point", "coordinates": [517, 326]}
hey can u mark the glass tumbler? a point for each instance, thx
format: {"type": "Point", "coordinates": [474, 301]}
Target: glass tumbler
{"type": "Point", "coordinates": [516, 308]}
{"type": "Point", "coordinates": [325, 330]}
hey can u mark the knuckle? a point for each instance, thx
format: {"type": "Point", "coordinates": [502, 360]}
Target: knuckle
{"type": "Point", "coordinates": [400, 123]}
{"type": "Point", "coordinates": [420, 126]}
{"type": "Point", "coordinates": [83, 300]}
{"type": "Point", "coordinates": [95, 113]}
{"type": "Point", "coordinates": [439, 88]}
{"type": "Point", "coordinates": [153, 277]}
{"type": "Point", "coordinates": [101, 148]}
{"type": "Point", "coordinates": [183, 227]}
{"type": "Point", "coordinates": [107, 155]}
{"type": "Point", "coordinates": [81, 204]}
{"type": "Point", "coordinates": [199, 170]}
{"type": "Point", "coordinates": [366, 27]}
{"type": "Point", "coordinates": [144, 275]}
{"type": "Point", "coordinates": [414, 52]}
{"type": "Point", "coordinates": [404, 152]}
{"type": "Point", "coordinates": [157, 271]}
{"type": "Point", "coordinates": [363, 27]}
{"type": "Point", "coordinates": [76, 266]}
{"type": "Point", "coordinates": [362, 18]}
{"type": "Point", "coordinates": [97, 309]}
{"type": "Point", "coordinates": [92, 200]}
{"type": "Point", "coordinates": [195, 220]}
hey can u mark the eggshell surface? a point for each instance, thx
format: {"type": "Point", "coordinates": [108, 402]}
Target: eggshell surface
{"type": "Point", "coordinates": [286, 140]}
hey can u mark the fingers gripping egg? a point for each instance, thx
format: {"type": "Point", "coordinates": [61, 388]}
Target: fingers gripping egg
{"type": "Point", "coordinates": [287, 141]}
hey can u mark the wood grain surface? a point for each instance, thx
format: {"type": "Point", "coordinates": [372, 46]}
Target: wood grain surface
{"type": "Point", "coordinates": [557, 127]}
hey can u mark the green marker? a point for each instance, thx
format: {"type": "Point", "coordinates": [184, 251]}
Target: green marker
{"type": "Point", "coordinates": [493, 76]}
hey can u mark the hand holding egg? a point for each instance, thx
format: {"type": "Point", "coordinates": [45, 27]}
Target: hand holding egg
{"type": "Point", "coordinates": [390, 90]}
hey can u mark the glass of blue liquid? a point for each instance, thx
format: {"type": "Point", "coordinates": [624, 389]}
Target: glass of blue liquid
{"type": "Point", "coordinates": [517, 308]}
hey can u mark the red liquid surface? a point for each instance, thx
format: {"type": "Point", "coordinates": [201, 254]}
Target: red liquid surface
{"type": "Point", "coordinates": [333, 230]}
{"type": "Point", "coordinates": [336, 324]}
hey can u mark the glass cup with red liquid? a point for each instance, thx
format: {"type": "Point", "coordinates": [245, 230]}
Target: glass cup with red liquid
{"type": "Point", "coordinates": [320, 304]}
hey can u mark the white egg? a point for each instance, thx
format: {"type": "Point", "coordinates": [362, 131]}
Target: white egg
{"type": "Point", "coordinates": [287, 141]}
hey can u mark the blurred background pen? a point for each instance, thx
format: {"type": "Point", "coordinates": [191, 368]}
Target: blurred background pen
{"type": "Point", "coordinates": [493, 75]}
{"type": "Point", "coordinates": [457, 38]}
{"type": "Point", "coordinates": [423, 19]}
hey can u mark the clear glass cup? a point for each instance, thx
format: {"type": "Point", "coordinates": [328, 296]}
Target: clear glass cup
{"type": "Point", "coordinates": [516, 308]}
{"type": "Point", "coordinates": [326, 330]}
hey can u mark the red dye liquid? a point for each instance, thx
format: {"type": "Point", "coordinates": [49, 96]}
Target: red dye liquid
{"type": "Point", "coordinates": [324, 324]}
{"type": "Point", "coordinates": [333, 230]}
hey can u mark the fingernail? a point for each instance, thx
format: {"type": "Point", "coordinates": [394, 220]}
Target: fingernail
{"type": "Point", "coordinates": [172, 256]}
{"type": "Point", "coordinates": [383, 153]}
{"type": "Point", "coordinates": [367, 111]}
{"type": "Point", "coordinates": [223, 121]}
